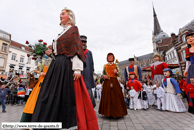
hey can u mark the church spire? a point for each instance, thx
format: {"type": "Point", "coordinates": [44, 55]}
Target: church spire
{"type": "Point", "coordinates": [157, 28]}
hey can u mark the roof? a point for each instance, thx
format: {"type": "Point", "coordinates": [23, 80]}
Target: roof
{"type": "Point", "coordinates": [18, 45]}
{"type": "Point", "coordinates": [145, 57]}
{"type": "Point", "coordinates": [140, 58]}
{"type": "Point", "coordinates": [188, 26]}
{"type": "Point", "coordinates": [123, 62]}
{"type": "Point", "coordinates": [161, 35]}
{"type": "Point", "coordinates": [5, 32]}
{"type": "Point", "coordinates": [157, 27]}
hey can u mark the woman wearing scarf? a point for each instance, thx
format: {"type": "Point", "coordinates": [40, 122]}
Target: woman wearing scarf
{"type": "Point", "coordinates": [63, 96]}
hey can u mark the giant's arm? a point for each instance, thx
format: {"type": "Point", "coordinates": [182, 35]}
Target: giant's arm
{"type": "Point", "coordinates": [125, 75]}
{"type": "Point", "coordinates": [118, 71]}
{"type": "Point", "coordinates": [77, 66]}
{"type": "Point", "coordinates": [176, 86]}
{"type": "Point", "coordinates": [139, 73]}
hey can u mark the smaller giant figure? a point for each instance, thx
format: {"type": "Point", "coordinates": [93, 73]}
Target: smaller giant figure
{"type": "Point", "coordinates": [112, 102]}
{"type": "Point", "coordinates": [173, 95]}
{"type": "Point", "coordinates": [157, 69]}
{"type": "Point", "coordinates": [132, 68]}
{"type": "Point", "coordinates": [88, 70]}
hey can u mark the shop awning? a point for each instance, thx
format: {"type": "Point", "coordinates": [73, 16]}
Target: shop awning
{"type": "Point", "coordinates": [146, 68]}
{"type": "Point", "coordinates": [172, 66]}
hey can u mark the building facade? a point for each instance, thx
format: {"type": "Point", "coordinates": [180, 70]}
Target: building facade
{"type": "Point", "coordinates": [18, 60]}
{"type": "Point", "coordinates": [5, 40]}
{"type": "Point", "coordinates": [171, 57]}
{"type": "Point", "coordinates": [181, 44]}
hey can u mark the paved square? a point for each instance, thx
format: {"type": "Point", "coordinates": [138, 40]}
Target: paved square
{"type": "Point", "coordinates": [135, 120]}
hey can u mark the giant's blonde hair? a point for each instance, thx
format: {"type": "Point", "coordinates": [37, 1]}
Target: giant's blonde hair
{"type": "Point", "coordinates": [71, 16]}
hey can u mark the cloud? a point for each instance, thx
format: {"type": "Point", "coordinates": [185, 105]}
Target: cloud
{"type": "Point", "coordinates": [121, 26]}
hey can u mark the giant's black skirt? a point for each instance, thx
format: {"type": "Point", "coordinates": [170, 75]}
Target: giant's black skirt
{"type": "Point", "coordinates": [56, 100]}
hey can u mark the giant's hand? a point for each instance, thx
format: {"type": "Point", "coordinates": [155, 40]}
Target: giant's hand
{"type": "Point", "coordinates": [105, 77]}
{"type": "Point", "coordinates": [42, 74]}
{"type": "Point", "coordinates": [76, 76]}
{"type": "Point", "coordinates": [185, 73]}
{"type": "Point", "coordinates": [115, 71]}
{"type": "Point", "coordinates": [36, 71]}
{"type": "Point", "coordinates": [179, 95]}
{"type": "Point", "coordinates": [48, 52]}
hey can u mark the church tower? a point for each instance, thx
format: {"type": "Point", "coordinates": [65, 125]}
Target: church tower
{"type": "Point", "coordinates": [157, 34]}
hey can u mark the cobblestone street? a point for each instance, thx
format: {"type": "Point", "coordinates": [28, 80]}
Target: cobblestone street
{"type": "Point", "coordinates": [135, 120]}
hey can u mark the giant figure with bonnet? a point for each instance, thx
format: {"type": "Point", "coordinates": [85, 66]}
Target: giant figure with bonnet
{"type": "Point", "coordinates": [112, 102]}
{"type": "Point", "coordinates": [172, 99]}
{"type": "Point", "coordinates": [157, 69]}
{"type": "Point", "coordinates": [63, 95]}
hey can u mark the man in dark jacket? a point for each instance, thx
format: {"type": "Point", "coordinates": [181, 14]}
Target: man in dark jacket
{"type": "Point", "coordinates": [89, 69]}
{"type": "Point", "coordinates": [4, 92]}
{"type": "Point", "coordinates": [143, 97]}
{"type": "Point", "coordinates": [14, 94]}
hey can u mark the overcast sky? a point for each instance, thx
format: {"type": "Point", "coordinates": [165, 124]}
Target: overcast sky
{"type": "Point", "coordinates": [123, 27]}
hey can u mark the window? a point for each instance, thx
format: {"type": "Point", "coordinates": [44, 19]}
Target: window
{"type": "Point", "coordinates": [20, 70]}
{"type": "Point", "coordinates": [173, 55]}
{"type": "Point", "coordinates": [169, 57]}
{"type": "Point", "coordinates": [183, 38]}
{"type": "Point", "coordinates": [4, 47]}
{"type": "Point", "coordinates": [141, 64]}
{"type": "Point", "coordinates": [27, 70]}
{"type": "Point", "coordinates": [166, 58]}
{"type": "Point", "coordinates": [147, 63]}
{"type": "Point", "coordinates": [2, 59]}
{"type": "Point", "coordinates": [23, 48]}
{"type": "Point", "coordinates": [178, 38]}
{"type": "Point", "coordinates": [22, 59]}
{"type": "Point", "coordinates": [29, 60]}
{"type": "Point", "coordinates": [13, 57]}
{"type": "Point", "coordinates": [183, 55]}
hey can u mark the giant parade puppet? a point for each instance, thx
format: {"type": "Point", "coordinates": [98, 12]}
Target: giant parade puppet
{"type": "Point", "coordinates": [112, 102]}
{"type": "Point", "coordinates": [63, 96]}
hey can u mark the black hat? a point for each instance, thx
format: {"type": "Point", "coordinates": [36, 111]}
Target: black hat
{"type": "Point", "coordinates": [83, 38]}
{"type": "Point", "coordinates": [189, 33]}
{"type": "Point", "coordinates": [131, 59]}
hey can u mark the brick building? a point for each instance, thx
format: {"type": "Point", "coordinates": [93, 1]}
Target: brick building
{"type": "Point", "coordinates": [5, 40]}
{"type": "Point", "coordinates": [181, 44]}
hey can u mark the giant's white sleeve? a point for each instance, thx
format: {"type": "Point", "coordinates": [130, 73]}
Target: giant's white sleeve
{"type": "Point", "coordinates": [77, 65]}
{"type": "Point", "coordinates": [188, 63]}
